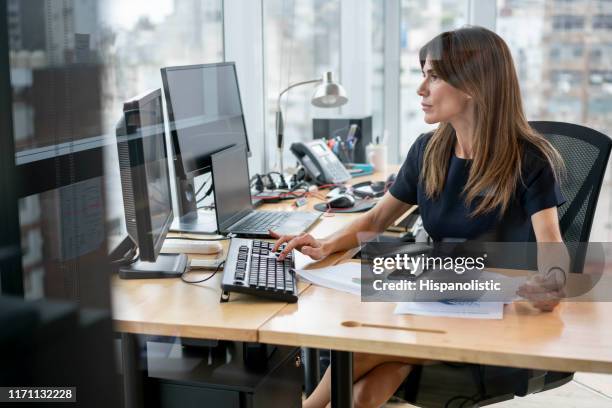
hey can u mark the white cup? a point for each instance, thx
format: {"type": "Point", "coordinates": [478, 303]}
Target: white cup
{"type": "Point", "coordinates": [377, 156]}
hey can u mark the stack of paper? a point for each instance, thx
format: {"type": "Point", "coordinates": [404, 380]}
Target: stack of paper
{"type": "Point", "coordinates": [470, 310]}
{"type": "Point", "coordinates": [344, 277]}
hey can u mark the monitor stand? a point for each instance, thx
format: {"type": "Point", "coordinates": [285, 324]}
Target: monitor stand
{"type": "Point", "coordinates": [166, 266]}
{"type": "Point", "coordinates": [199, 222]}
{"type": "Point", "coordinates": [190, 219]}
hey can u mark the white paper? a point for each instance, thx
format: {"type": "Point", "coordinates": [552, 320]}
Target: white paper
{"type": "Point", "coordinates": [470, 310]}
{"type": "Point", "coordinates": [344, 277]}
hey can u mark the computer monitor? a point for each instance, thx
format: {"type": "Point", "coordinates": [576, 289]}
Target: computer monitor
{"type": "Point", "coordinates": [145, 184]}
{"type": "Point", "coordinates": [231, 181]}
{"type": "Point", "coordinates": [205, 115]}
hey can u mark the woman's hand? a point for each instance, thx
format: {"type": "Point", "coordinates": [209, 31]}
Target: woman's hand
{"type": "Point", "coordinates": [544, 291]}
{"type": "Point", "coordinates": [305, 243]}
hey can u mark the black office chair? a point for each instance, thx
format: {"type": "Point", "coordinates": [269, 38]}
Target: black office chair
{"type": "Point", "coordinates": [585, 153]}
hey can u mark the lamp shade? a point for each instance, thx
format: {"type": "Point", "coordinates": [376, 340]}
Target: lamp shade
{"type": "Point", "coordinates": [329, 94]}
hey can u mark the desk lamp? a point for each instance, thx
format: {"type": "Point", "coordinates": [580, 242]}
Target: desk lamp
{"type": "Point", "coordinates": [328, 94]}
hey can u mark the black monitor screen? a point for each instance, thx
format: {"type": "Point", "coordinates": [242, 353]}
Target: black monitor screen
{"type": "Point", "coordinates": [205, 113]}
{"type": "Point", "coordinates": [231, 180]}
{"type": "Point", "coordinates": [156, 166]}
{"type": "Point", "coordinates": [145, 178]}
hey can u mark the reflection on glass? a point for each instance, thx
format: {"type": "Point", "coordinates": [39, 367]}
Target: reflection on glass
{"type": "Point", "coordinates": [72, 64]}
{"type": "Point", "coordinates": [142, 36]}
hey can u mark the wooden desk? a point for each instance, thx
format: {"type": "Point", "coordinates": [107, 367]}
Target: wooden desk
{"type": "Point", "coordinates": [574, 337]}
{"type": "Point", "coordinates": [171, 307]}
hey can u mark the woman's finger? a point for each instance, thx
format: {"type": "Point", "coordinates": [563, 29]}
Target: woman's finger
{"type": "Point", "coordinates": [281, 240]}
{"type": "Point", "coordinates": [296, 243]}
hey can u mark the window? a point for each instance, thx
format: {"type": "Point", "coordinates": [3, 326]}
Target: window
{"type": "Point", "coordinates": [301, 42]}
{"type": "Point", "coordinates": [601, 104]}
{"type": "Point", "coordinates": [561, 52]}
{"type": "Point", "coordinates": [421, 20]}
{"type": "Point", "coordinates": [568, 76]}
{"type": "Point", "coordinates": [73, 63]}
{"type": "Point", "coordinates": [558, 66]}
{"type": "Point", "coordinates": [305, 38]}
{"type": "Point", "coordinates": [141, 39]}
{"type": "Point", "coordinates": [602, 22]}
{"type": "Point", "coordinates": [598, 77]}
{"type": "Point", "coordinates": [564, 80]}
{"type": "Point", "coordinates": [566, 22]}
{"type": "Point", "coordinates": [601, 55]}
{"type": "Point", "coordinates": [577, 51]}
{"type": "Point", "coordinates": [378, 71]}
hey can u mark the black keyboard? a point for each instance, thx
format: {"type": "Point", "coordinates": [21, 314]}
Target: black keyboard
{"type": "Point", "coordinates": [262, 221]}
{"type": "Point", "coordinates": [251, 267]}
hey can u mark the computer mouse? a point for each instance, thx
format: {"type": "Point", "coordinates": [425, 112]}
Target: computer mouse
{"type": "Point", "coordinates": [336, 192]}
{"type": "Point", "coordinates": [378, 186]}
{"type": "Point", "coordinates": [342, 201]}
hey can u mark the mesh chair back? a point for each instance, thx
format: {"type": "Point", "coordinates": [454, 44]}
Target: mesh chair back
{"type": "Point", "coordinates": [585, 153]}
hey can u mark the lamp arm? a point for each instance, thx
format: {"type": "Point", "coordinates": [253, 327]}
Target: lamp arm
{"type": "Point", "coordinates": [280, 126]}
{"type": "Point", "coordinates": [312, 81]}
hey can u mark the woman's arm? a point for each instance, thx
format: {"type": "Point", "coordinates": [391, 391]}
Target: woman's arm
{"type": "Point", "coordinates": [545, 289]}
{"type": "Point", "coordinates": [366, 226]}
{"type": "Point", "coordinates": [546, 225]}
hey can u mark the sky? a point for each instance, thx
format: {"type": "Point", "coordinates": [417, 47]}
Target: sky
{"type": "Point", "coordinates": [124, 14]}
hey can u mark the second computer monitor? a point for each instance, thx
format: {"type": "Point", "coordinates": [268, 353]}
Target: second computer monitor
{"type": "Point", "coordinates": [205, 113]}
{"type": "Point", "coordinates": [230, 174]}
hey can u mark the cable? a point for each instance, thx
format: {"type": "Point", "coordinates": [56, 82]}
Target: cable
{"type": "Point", "coordinates": [210, 190]}
{"type": "Point", "coordinates": [203, 185]}
{"type": "Point", "coordinates": [282, 184]}
{"type": "Point", "coordinates": [289, 195]}
{"type": "Point", "coordinates": [129, 258]}
{"type": "Point", "coordinates": [256, 182]}
{"type": "Point", "coordinates": [302, 184]}
{"type": "Point", "coordinates": [201, 280]}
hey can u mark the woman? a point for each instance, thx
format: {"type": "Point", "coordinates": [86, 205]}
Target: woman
{"type": "Point", "coordinates": [482, 174]}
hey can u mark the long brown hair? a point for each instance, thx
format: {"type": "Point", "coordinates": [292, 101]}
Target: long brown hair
{"type": "Point", "coordinates": [478, 62]}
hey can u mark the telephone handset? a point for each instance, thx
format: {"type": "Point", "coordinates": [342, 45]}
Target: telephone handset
{"type": "Point", "coordinates": [320, 162]}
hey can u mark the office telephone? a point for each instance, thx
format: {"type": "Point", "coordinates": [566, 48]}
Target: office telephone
{"type": "Point", "coordinates": [320, 163]}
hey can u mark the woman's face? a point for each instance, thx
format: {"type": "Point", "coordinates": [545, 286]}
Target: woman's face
{"type": "Point", "coordinates": [441, 102]}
